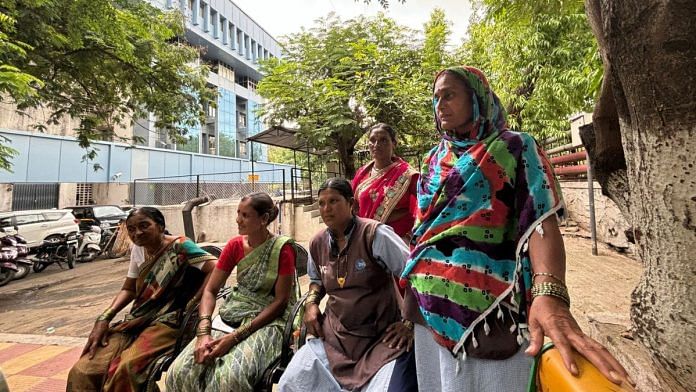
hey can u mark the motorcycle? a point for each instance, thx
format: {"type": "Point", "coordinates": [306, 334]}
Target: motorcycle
{"type": "Point", "coordinates": [13, 253]}
{"type": "Point", "coordinates": [8, 268]}
{"type": "Point", "coordinates": [88, 244]}
{"type": "Point", "coordinates": [23, 262]}
{"type": "Point", "coordinates": [56, 248]}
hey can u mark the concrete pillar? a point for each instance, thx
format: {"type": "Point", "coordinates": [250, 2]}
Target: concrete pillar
{"type": "Point", "coordinates": [6, 197]}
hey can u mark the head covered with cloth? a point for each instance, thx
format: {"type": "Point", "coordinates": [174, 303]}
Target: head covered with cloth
{"type": "Point", "coordinates": [482, 192]}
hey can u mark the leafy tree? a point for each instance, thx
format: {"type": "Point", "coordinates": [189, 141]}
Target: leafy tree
{"type": "Point", "coordinates": [12, 79]}
{"type": "Point", "coordinates": [340, 77]}
{"type": "Point", "coordinates": [435, 54]}
{"type": "Point", "coordinates": [104, 63]}
{"type": "Point", "coordinates": [545, 66]}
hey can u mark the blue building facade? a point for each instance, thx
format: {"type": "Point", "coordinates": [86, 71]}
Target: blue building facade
{"type": "Point", "coordinates": [233, 45]}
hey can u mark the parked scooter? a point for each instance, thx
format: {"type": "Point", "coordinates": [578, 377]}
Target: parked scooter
{"type": "Point", "coordinates": [13, 256]}
{"type": "Point", "coordinates": [23, 262]}
{"type": "Point", "coordinates": [88, 244]}
{"type": "Point", "coordinates": [8, 268]}
{"type": "Point", "coordinates": [57, 248]}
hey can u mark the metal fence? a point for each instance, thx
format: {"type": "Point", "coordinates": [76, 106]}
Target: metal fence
{"type": "Point", "coordinates": [569, 161]}
{"type": "Point", "coordinates": [305, 183]}
{"type": "Point", "coordinates": [34, 196]}
{"type": "Point", "coordinates": [229, 185]}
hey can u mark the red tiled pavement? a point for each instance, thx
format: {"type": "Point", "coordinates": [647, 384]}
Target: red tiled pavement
{"type": "Point", "coordinates": [49, 385]}
{"type": "Point", "coordinates": [55, 365]}
{"type": "Point", "coordinates": [37, 367]}
{"type": "Point", "coordinates": [16, 350]}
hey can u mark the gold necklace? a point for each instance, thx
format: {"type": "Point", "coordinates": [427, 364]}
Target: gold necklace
{"type": "Point", "coordinates": [379, 172]}
{"type": "Point", "coordinates": [340, 279]}
{"type": "Point", "coordinates": [149, 256]}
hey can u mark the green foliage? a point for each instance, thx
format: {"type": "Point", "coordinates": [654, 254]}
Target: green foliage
{"type": "Point", "coordinates": [541, 59]}
{"type": "Point", "coordinates": [383, 3]}
{"type": "Point", "coordinates": [105, 62]}
{"type": "Point", "coordinates": [340, 77]}
{"type": "Point", "coordinates": [12, 79]}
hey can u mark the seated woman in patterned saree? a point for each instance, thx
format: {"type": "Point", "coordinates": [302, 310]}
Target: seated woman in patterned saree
{"type": "Point", "coordinates": [488, 264]}
{"type": "Point", "coordinates": [385, 188]}
{"type": "Point", "coordinates": [117, 358]}
{"type": "Point", "coordinates": [232, 351]}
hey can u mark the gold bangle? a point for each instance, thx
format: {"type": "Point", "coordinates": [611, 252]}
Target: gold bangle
{"type": "Point", "coordinates": [408, 324]}
{"type": "Point", "coordinates": [242, 332]}
{"type": "Point", "coordinates": [202, 331]}
{"type": "Point", "coordinates": [314, 297]}
{"type": "Point", "coordinates": [107, 315]}
{"type": "Point", "coordinates": [550, 275]}
{"type": "Point", "coordinates": [551, 289]}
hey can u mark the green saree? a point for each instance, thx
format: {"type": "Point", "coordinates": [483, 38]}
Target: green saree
{"type": "Point", "coordinates": [242, 367]}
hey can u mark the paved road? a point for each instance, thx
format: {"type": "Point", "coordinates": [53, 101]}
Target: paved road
{"type": "Point", "coordinates": [45, 318]}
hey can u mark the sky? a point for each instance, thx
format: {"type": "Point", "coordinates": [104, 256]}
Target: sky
{"type": "Point", "coordinates": [281, 17]}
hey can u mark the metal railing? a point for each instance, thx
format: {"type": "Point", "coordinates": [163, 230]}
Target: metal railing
{"type": "Point", "coordinates": [304, 183]}
{"type": "Point", "coordinates": [569, 161]}
{"type": "Point", "coordinates": [233, 185]}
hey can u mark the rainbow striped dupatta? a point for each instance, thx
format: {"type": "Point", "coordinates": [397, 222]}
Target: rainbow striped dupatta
{"type": "Point", "coordinates": [479, 200]}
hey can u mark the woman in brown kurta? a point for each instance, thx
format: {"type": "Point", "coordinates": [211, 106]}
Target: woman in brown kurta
{"type": "Point", "coordinates": [362, 335]}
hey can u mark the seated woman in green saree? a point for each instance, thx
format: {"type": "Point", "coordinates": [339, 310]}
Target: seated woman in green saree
{"type": "Point", "coordinates": [232, 351]}
{"type": "Point", "coordinates": [118, 357]}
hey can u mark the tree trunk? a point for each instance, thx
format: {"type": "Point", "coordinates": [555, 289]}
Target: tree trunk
{"type": "Point", "coordinates": [649, 52]}
{"type": "Point", "coordinates": [345, 155]}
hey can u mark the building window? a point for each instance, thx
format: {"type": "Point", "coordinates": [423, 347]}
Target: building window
{"type": "Point", "coordinates": [225, 71]}
{"type": "Point", "coordinates": [233, 36]}
{"type": "Point", "coordinates": [240, 42]}
{"type": "Point", "coordinates": [206, 17]}
{"type": "Point", "coordinates": [84, 195]}
{"type": "Point", "coordinates": [214, 23]}
{"type": "Point", "coordinates": [223, 30]}
{"type": "Point", "coordinates": [193, 10]}
{"type": "Point", "coordinates": [247, 47]}
{"type": "Point", "coordinates": [211, 111]}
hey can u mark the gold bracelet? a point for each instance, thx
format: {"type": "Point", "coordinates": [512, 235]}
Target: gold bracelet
{"type": "Point", "coordinates": [242, 332]}
{"type": "Point", "coordinates": [551, 289]}
{"type": "Point", "coordinates": [202, 331]}
{"type": "Point", "coordinates": [107, 315]}
{"type": "Point", "coordinates": [314, 297]}
{"type": "Point", "coordinates": [550, 275]}
{"type": "Point", "coordinates": [205, 317]}
{"type": "Point", "coordinates": [408, 324]}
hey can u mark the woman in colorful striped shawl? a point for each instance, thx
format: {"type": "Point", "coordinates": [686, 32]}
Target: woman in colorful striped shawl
{"type": "Point", "coordinates": [162, 285]}
{"type": "Point", "coordinates": [486, 231]}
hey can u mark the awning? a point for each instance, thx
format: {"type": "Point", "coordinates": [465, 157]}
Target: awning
{"type": "Point", "coordinates": [280, 136]}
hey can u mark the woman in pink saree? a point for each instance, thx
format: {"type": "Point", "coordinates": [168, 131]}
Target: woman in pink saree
{"type": "Point", "coordinates": [385, 187]}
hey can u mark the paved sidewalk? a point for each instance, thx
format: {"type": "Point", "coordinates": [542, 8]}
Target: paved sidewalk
{"type": "Point", "coordinates": [41, 366]}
